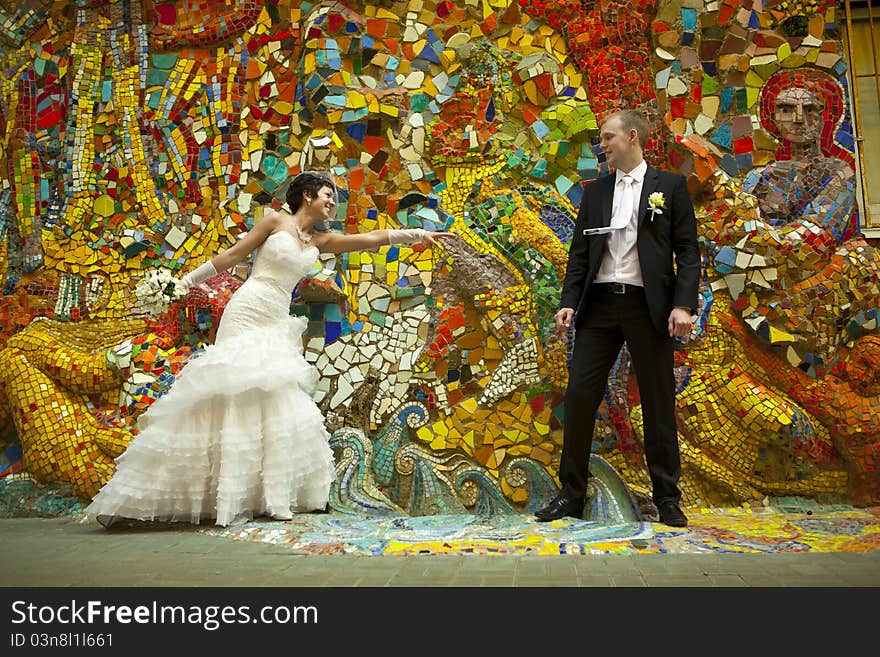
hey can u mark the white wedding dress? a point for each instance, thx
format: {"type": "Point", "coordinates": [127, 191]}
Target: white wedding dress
{"type": "Point", "coordinates": [237, 435]}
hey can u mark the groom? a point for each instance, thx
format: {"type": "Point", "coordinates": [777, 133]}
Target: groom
{"type": "Point", "coordinates": [621, 285]}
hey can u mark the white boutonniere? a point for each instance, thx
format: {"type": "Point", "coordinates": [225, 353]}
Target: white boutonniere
{"type": "Point", "coordinates": [656, 201]}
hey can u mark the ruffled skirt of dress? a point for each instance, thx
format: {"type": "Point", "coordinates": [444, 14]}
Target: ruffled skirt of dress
{"type": "Point", "coordinates": [236, 436]}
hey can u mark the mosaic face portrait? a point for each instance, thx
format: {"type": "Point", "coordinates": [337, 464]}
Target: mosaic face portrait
{"type": "Point", "coordinates": [798, 115]}
{"type": "Point", "coordinates": [804, 107]}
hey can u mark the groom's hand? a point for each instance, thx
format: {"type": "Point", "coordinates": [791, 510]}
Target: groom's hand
{"type": "Point", "coordinates": [680, 322]}
{"type": "Point", "coordinates": [563, 319]}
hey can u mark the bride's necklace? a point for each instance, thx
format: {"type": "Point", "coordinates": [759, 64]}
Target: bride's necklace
{"type": "Point", "coordinates": [305, 239]}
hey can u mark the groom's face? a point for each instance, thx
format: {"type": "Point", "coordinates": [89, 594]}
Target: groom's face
{"type": "Point", "coordinates": [615, 142]}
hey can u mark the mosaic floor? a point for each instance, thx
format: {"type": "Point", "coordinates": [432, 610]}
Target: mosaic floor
{"type": "Point", "coordinates": [786, 527]}
{"type": "Point", "coordinates": [781, 525]}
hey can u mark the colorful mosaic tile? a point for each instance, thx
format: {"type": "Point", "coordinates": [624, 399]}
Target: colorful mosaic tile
{"type": "Point", "coordinates": [769, 530]}
{"type": "Point", "coordinates": [137, 134]}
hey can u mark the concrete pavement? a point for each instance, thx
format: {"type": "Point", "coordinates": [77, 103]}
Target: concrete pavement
{"type": "Point", "coordinates": [41, 552]}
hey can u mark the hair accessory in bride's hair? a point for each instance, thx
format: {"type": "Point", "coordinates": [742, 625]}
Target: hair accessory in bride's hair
{"type": "Point", "coordinates": [303, 179]}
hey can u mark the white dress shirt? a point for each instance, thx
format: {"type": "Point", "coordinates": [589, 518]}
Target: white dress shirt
{"type": "Point", "coordinates": [620, 262]}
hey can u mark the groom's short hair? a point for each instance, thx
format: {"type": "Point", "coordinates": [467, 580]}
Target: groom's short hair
{"type": "Point", "coordinates": [630, 119]}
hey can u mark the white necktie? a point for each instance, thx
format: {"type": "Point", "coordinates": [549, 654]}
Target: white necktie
{"type": "Point", "coordinates": [625, 207]}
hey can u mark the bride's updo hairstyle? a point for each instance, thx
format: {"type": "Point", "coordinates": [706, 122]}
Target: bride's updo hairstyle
{"type": "Point", "coordinates": [307, 181]}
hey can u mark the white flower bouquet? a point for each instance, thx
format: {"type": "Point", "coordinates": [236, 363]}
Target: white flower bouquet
{"type": "Point", "coordinates": [157, 290]}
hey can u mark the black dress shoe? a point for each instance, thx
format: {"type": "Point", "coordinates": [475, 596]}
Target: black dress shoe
{"type": "Point", "coordinates": [671, 514]}
{"type": "Point", "coordinates": [561, 506]}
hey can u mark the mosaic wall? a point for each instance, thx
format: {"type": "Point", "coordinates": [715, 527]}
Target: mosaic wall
{"type": "Point", "coordinates": [139, 134]}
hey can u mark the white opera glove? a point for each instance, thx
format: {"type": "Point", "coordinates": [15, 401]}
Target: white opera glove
{"type": "Point", "coordinates": [199, 275]}
{"type": "Point", "coordinates": [406, 235]}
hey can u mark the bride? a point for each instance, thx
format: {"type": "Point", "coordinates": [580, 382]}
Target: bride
{"type": "Point", "coordinates": [238, 434]}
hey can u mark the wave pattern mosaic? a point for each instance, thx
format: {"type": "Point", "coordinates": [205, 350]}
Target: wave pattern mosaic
{"type": "Point", "coordinates": [140, 133]}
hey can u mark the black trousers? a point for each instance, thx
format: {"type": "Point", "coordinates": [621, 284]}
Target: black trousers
{"type": "Point", "coordinates": [607, 321]}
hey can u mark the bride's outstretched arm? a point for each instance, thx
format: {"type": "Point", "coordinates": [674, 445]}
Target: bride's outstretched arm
{"type": "Point", "coordinates": [237, 252]}
{"type": "Point", "coordinates": [375, 239]}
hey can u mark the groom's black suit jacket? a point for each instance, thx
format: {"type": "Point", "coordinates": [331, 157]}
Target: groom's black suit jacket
{"type": "Point", "coordinates": [668, 237]}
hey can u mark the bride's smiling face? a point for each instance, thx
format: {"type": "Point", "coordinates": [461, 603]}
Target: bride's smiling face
{"type": "Point", "coordinates": [322, 206]}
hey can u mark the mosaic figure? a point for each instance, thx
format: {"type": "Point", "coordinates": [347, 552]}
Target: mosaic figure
{"type": "Point", "coordinates": [92, 380]}
{"type": "Point", "coordinates": [238, 435]}
{"type": "Point", "coordinates": [69, 363]}
{"type": "Point", "coordinates": [794, 253]}
{"type": "Point", "coordinates": [802, 287]}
